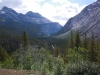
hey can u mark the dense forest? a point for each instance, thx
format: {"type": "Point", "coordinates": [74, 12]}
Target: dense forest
{"type": "Point", "coordinates": [78, 56]}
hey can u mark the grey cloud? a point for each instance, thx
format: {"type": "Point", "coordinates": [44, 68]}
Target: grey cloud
{"type": "Point", "coordinates": [10, 3]}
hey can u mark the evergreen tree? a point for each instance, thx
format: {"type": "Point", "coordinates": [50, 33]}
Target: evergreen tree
{"type": "Point", "coordinates": [85, 45]}
{"type": "Point", "coordinates": [98, 50]}
{"type": "Point", "coordinates": [71, 40]}
{"type": "Point", "coordinates": [92, 49]}
{"type": "Point", "coordinates": [65, 57]}
{"type": "Point", "coordinates": [56, 51]}
{"type": "Point", "coordinates": [85, 41]}
{"type": "Point", "coordinates": [24, 40]}
{"type": "Point", "coordinates": [46, 46]}
{"type": "Point", "coordinates": [77, 40]}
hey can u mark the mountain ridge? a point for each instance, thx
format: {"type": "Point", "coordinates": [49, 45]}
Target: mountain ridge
{"type": "Point", "coordinates": [34, 23]}
{"type": "Point", "coordinates": [86, 21]}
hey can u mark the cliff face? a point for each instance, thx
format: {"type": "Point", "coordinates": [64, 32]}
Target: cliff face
{"type": "Point", "coordinates": [87, 20]}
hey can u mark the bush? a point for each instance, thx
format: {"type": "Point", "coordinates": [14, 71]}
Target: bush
{"type": "Point", "coordinates": [82, 68]}
{"type": "Point", "coordinates": [76, 56]}
{"type": "Point", "coordinates": [8, 63]}
{"type": "Point", "coordinates": [58, 66]}
{"type": "Point", "coordinates": [3, 54]}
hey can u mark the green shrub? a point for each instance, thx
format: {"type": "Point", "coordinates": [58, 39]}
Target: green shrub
{"type": "Point", "coordinates": [8, 63]}
{"type": "Point", "coordinates": [76, 56]}
{"type": "Point", "coordinates": [58, 66]}
{"type": "Point", "coordinates": [82, 68]}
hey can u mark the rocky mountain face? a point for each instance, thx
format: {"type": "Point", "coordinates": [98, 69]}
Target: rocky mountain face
{"type": "Point", "coordinates": [39, 19]}
{"type": "Point", "coordinates": [87, 20]}
{"type": "Point", "coordinates": [34, 23]}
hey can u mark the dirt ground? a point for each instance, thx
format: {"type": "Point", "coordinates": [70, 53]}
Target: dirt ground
{"type": "Point", "coordinates": [17, 72]}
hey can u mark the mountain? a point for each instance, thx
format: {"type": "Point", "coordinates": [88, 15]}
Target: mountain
{"type": "Point", "coordinates": [39, 19]}
{"type": "Point", "coordinates": [87, 20]}
{"type": "Point", "coordinates": [34, 23]}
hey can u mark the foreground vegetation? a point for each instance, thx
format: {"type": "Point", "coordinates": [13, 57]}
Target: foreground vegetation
{"type": "Point", "coordinates": [81, 57]}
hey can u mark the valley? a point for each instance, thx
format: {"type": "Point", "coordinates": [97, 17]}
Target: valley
{"type": "Point", "coordinates": [31, 44]}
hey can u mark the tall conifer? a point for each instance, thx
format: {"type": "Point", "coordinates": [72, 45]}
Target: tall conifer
{"type": "Point", "coordinates": [71, 40]}
{"type": "Point", "coordinates": [85, 41]}
{"type": "Point", "coordinates": [92, 49]}
{"type": "Point", "coordinates": [24, 40]}
{"type": "Point", "coordinates": [77, 40]}
{"type": "Point", "coordinates": [98, 50]}
{"type": "Point", "coordinates": [56, 51]}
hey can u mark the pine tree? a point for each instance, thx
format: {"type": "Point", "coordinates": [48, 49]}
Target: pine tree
{"type": "Point", "coordinates": [71, 40]}
{"type": "Point", "coordinates": [24, 40]}
{"type": "Point", "coordinates": [46, 46]}
{"type": "Point", "coordinates": [77, 40]}
{"type": "Point", "coordinates": [98, 50]}
{"type": "Point", "coordinates": [85, 41]}
{"type": "Point", "coordinates": [56, 51]}
{"type": "Point", "coordinates": [85, 45]}
{"type": "Point", "coordinates": [92, 49]}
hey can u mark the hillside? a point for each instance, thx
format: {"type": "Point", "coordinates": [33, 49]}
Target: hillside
{"type": "Point", "coordinates": [86, 21]}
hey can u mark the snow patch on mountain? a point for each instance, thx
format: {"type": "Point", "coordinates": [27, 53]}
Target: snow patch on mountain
{"type": "Point", "coordinates": [2, 12]}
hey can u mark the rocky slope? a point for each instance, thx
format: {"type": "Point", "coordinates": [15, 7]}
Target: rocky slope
{"type": "Point", "coordinates": [87, 20]}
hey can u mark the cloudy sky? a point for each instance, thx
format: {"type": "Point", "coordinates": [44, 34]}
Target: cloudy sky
{"type": "Point", "coordinates": [55, 10]}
